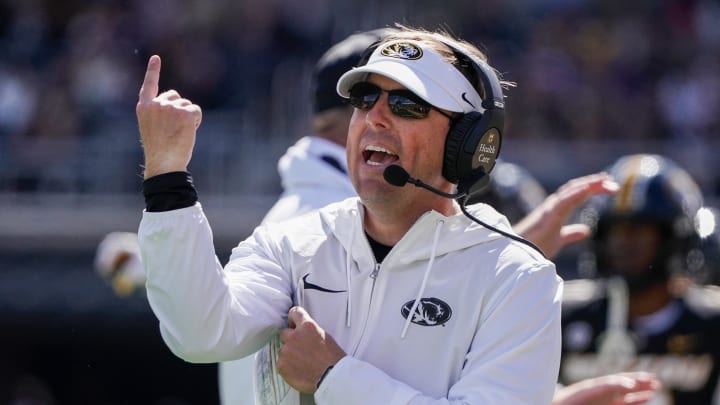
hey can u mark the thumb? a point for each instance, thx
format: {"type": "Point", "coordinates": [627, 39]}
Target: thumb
{"type": "Point", "coordinates": [297, 315]}
{"type": "Point", "coordinates": [149, 89]}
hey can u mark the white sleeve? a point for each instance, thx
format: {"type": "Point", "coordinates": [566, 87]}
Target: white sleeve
{"type": "Point", "coordinates": [208, 314]}
{"type": "Point", "coordinates": [514, 358]}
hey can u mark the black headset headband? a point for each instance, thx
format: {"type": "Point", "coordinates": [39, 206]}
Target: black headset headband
{"type": "Point", "coordinates": [491, 84]}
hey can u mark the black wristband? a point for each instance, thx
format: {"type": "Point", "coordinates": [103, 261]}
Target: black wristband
{"type": "Point", "coordinates": [324, 374]}
{"type": "Point", "coordinates": [169, 191]}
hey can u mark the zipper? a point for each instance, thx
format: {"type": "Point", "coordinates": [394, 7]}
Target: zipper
{"type": "Point", "coordinates": [375, 271]}
{"type": "Point", "coordinates": [373, 276]}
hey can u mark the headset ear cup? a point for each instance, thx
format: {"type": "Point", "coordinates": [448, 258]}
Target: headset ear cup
{"type": "Point", "coordinates": [453, 167]}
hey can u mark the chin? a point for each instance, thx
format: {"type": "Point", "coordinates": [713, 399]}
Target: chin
{"type": "Point", "coordinates": [377, 192]}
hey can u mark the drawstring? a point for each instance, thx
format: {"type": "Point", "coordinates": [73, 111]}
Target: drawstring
{"type": "Point", "coordinates": [425, 279]}
{"type": "Point", "coordinates": [348, 275]}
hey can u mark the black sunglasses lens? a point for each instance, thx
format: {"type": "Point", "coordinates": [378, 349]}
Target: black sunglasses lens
{"type": "Point", "coordinates": [404, 105]}
{"type": "Point", "coordinates": [364, 95]}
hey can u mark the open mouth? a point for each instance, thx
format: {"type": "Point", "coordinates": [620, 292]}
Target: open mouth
{"type": "Point", "coordinates": [377, 156]}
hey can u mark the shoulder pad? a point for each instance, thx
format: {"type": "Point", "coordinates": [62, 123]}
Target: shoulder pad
{"type": "Point", "coordinates": [704, 298]}
{"type": "Point", "coordinates": [576, 292]}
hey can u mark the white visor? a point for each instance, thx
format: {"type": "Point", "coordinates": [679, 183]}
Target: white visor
{"type": "Point", "coordinates": [421, 70]}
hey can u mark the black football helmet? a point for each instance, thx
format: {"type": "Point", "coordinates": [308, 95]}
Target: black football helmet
{"type": "Point", "coordinates": [653, 190]}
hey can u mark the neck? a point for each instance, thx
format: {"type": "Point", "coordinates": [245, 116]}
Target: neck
{"type": "Point", "coordinates": [649, 300]}
{"type": "Point", "coordinates": [333, 124]}
{"type": "Point", "coordinates": [387, 225]}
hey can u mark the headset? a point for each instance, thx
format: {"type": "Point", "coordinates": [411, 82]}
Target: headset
{"type": "Point", "coordinates": [473, 142]}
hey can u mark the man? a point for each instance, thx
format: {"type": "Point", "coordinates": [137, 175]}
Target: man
{"type": "Point", "coordinates": [638, 315]}
{"type": "Point", "coordinates": [394, 296]}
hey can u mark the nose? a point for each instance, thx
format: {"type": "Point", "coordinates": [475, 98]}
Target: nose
{"type": "Point", "coordinates": [379, 115]}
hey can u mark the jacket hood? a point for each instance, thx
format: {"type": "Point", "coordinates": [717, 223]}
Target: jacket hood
{"type": "Point", "coordinates": [458, 231]}
{"type": "Point", "coordinates": [302, 166]}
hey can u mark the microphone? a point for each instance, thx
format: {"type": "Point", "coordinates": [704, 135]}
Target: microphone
{"type": "Point", "coordinates": [397, 176]}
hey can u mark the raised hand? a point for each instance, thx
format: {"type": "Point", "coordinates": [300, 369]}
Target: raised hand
{"type": "Point", "coordinates": [167, 124]}
{"type": "Point", "coordinates": [307, 351]}
{"type": "Point", "coordinates": [545, 225]}
{"type": "Point", "coordinates": [632, 388]}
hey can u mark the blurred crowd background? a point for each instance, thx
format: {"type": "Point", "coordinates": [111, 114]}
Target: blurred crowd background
{"type": "Point", "coordinates": [589, 72]}
{"type": "Point", "coordinates": [596, 79]}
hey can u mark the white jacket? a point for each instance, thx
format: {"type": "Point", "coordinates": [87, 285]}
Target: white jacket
{"type": "Point", "coordinates": [487, 330]}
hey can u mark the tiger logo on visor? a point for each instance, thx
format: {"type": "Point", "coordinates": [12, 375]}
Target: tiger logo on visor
{"type": "Point", "coordinates": [402, 50]}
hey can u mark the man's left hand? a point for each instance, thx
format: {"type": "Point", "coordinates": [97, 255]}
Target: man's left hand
{"type": "Point", "coordinates": [307, 351]}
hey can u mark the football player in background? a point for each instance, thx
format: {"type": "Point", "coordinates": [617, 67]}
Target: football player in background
{"type": "Point", "coordinates": [639, 312]}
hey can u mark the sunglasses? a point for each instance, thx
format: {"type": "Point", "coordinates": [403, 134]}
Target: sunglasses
{"type": "Point", "coordinates": [403, 103]}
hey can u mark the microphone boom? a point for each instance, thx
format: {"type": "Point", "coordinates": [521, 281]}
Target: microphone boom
{"type": "Point", "coordinates": [397, 176]}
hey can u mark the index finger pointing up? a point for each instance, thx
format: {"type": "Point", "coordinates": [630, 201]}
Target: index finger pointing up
{"type": "Point", "coordinates": [149, 89]}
